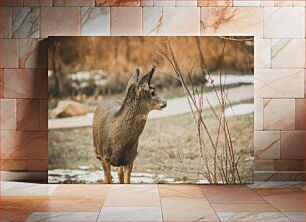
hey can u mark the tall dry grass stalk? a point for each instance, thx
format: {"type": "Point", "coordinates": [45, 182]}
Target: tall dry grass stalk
{"type": "Point", "coordinates": [220, 165]}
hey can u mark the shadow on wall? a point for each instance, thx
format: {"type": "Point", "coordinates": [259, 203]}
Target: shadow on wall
{"type": "Point", "coordinates": [29, 142]}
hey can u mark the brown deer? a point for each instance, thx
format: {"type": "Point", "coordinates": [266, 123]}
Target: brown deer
{"type": "Point", "coordinates": [117, 127]}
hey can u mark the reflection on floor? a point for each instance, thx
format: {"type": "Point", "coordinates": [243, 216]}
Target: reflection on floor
{"type": "Point", "coordinates": [270, 201]}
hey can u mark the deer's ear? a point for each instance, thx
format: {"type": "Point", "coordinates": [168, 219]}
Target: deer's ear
{"type": "Point", "coordinates": [146, 80]}
{"type": "Point", "coordinates": [133, 80]}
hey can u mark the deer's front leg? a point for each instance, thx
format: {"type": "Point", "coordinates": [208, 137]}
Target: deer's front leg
{"type": "Point", "coordinates": [107, 171]}
{"type": "Point", "coordinates": [127, 170]}
{"type": "Point", "coordinates": [120, 174]}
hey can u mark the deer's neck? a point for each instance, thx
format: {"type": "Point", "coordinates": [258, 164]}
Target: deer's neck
{"type": "Point", "coordinates": [131, 112]}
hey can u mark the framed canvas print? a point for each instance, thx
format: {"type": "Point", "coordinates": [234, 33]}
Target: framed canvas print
{"type": "Point", "coordinates": [176, 109]}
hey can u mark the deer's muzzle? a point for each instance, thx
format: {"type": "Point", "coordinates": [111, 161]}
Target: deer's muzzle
{"type": "Point", "coordinates": [163, 105]}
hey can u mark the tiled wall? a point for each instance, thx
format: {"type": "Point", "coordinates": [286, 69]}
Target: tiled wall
{"type": "Point", "coordinates": [278, 26]}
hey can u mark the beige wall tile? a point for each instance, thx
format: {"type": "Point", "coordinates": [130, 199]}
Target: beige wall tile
{"type": "Point", "coordinates": [28, 53]}
{"type": "Point", "coordinates": [43, 114]}
{"type": "Point", "coordinates": [1, 83]}
{"type": "Point", "coordinates": [9, 53]}
{"type": "Point", "coordinates": [263, 165]}
{"type": "Point", "coordinates": [266, 2]}
{"type": "Point", "coordinates": [5, 3]}
{"type": "Point", "coordinates": [25, 22]}
{"type": "Point", "coordinates": [248, 3]}
{"type": "Point", "coordinates": [292, 145]}
{"type": "Point", "coordinates": [5, 22]}
{"type": "Point", "coordinates": [279, 176]}
{"type": "Point", "coordinates": [28, 114]}
{"type": "Point", "coordinates": [24, 144]}
{"type": "Point", "coordinates": [262, 53]}
{"type": "Point", "coordinates": [299, 3]}
{"type": "Point", "coordinates": [304, 83]}
{"type": "Point", "coordinates": [13, 165]}
{"type": "Point", "coordinates": [186, 3]}
{"type": "Point", "coordinates": [283, 3]}
{"type": "Point", "coordinates": [279, 83]}
{"type": "Point", "coordinates": [126, 21]}
{"type": "Point", "coordinates": [33, 53]}
{"type": "Point", "coordinates": [279, 114]}
{"type": "Point", "coordinates": [162, 3]}
{"type": "Point", "coordinates": [300, 114]}
{"type": "Point", "coordinates": [73, 2]}
{"type": "Point", "coordinates": [232, 21]}
{"type": "Point", "coordinates": [258, 114]}
{"type": "Point", "coordinates": [220, 3]}
{"type": "Point", "coordinates": [95, 21]}
{"type": "Point", "coordinates": [284, 22]}
{"type": "Point", "coordinates": [52, 21]}
{"type": "Point", "coordinates": [37, 165]}
{"type": "Point", "coordinates": [288, 53]}
{"type": "Point", "coordinates": [37, 2]}
{"type": "Point", "coordinates": [171, 21]}
{"type": "Point", "coordinates": [267, 145]}
{"type": "Point", "coordinates": [146, 2]}
{"type": "Point", "coordinates": [289, 165]}
{"type": "Point", "coordinates": [7, 114]}
{"type": "Point", "coordinates": [25, 83]}
{"type": "Point", "coordinates": [124, 3]}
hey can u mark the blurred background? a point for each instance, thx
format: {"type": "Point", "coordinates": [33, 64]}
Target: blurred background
{"type": "Point", "coordinates": [92, 66]}
{"type": "Point", "coordinates": [85, 70]}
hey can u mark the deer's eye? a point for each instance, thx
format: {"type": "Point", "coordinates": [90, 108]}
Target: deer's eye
{"type": "Point", "coordinates": [153, 93]}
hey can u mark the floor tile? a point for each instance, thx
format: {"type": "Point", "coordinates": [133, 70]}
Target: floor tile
{"type": "Point", "coordinates": [63, 216]}
{"type": "Point", "coordinates": [266, 192]}
{"type": "Point", "coordinates": [173, 190]}
{"type": "Point", "coordinates": [135, 195]}
{"type": "Point", "coordinates": [71, 204]}
{"type": "Point", "coordinates": [274, 216]}
{"type": "Point", "coordinates": [130, 214]}
{"type": "Point", "coordinates": [76, 197]}
{"type": "Point", "coordinates": [83, 190]}
{"type": "Point", "coordinates": [26, 189]}
{"type": "Point", "coordinates": [276, 184]}
{"type": "Point", "coordinates": [14, 208]}
{"type": "Point", "coordinates": [285, 200]}
{"type": "Point", "coordinates": [187, 209]}
{"type": "Point", "coordinates": [262, 207]}
{"type": "Point", "coordinates": [295, 216]}
{"type": "Point", "coordinates": [230, 194]}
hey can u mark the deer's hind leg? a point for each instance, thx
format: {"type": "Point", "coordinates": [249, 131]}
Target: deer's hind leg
{"type": "Point", "coordinates": [107, 170]}
{"type": "Point", "coordinates": [120, 174]}
{"type": "Point", "coordinates": [127, 170]}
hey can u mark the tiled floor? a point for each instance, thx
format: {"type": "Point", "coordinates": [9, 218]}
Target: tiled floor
{"type": "Point", "coordinates": [271, 201]}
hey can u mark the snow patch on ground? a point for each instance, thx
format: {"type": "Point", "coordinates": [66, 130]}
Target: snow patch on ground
{"type": "Point", "coordinates": [238, 110]}
{"type": "Point", "coordinates": [97, 176]}
{"type": "Point", "coordinates": [231, 79]}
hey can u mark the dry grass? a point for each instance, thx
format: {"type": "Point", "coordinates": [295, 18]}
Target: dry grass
{"type": "Point", "coordinates": [221, 165]}
{"type": "Point", "coordinates": [71, 148]}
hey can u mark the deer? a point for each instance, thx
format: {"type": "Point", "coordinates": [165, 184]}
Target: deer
{"type": "Point", "coordinates": [118, 126]}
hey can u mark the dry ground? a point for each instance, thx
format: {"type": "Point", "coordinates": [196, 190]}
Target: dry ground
{"type": "Point", "coordinates": [72, 148]}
